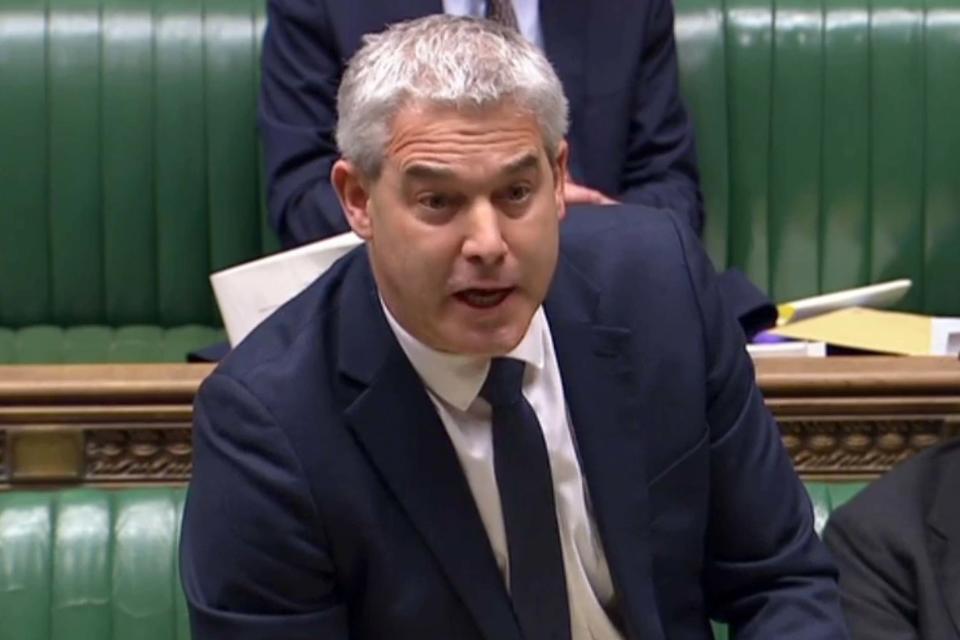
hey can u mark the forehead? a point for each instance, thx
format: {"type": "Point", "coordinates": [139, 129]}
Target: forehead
{"type": "Point", "coordinates": [435, 134]}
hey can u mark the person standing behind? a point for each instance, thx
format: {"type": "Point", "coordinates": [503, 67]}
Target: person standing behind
{"type": "Point", "coordinates": [630, 137]}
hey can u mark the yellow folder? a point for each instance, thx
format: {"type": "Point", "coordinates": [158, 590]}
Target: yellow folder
{"type": "Point", "coordinates": [869, 329]}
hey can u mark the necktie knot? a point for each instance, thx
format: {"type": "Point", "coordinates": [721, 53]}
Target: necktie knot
{"type": "Point", "coordinates": [504, 383]}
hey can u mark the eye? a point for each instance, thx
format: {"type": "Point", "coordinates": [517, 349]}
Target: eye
{"type": "Point", "coordinates": [517, 193]}
{"type": "Point", "coordinates": [435, 201]}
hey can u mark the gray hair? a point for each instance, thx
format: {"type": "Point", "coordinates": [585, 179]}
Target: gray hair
{"type": "Point", "coordinates": [448, 61]}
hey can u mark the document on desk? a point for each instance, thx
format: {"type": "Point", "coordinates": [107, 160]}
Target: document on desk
{"type": "Point", "coordinates": [881, 331]}
{"type": "Point", "coordinates": [880, 295]}
{"type": "Point", "coordinates": [790, 349]}
{"type": "Point", "coordinates": [248, 293]}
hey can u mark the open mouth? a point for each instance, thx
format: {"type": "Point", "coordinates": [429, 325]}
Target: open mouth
{"type": "Point", "coordinates": [483, 298]}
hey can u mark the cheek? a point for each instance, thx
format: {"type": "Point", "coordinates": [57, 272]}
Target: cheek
{"type": "Point", "coordinates": [422, 267]}
{"type": "Point", "coordinates": [538, 243]}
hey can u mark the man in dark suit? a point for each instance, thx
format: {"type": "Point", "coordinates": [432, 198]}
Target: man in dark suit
{"type": "Point", "coordinates": [630, 137]}
{"type": "Point", "coordinates": [474, 428]}
{"type": "Point", "coordinates": [897, 545]}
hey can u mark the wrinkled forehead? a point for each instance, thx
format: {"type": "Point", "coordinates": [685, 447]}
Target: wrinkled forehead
{"type": "Point", "coordinates": [460, 131]}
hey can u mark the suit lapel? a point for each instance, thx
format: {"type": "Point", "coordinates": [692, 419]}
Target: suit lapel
{"type": "Point", "coordinates": [943, 520]}
{"type": "Point", "coordinates": [598, 376]}
{"type": "Point", "coordinates": [400, 430]}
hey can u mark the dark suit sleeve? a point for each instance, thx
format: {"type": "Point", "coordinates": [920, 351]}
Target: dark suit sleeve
{"type": "Point", "coordinates": [877, 574]}
{"type": "Point", "coordinates": [661, 164]}
{"type": "Point", "coordinates": [301, 71]}
{"type": "Point", "coordinates": [253, 559]}
{"type": "Point", "coordinates": [766, 572]}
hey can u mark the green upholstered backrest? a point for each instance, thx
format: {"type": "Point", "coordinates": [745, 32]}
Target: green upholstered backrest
{"type": "Point", "coordinates": [129, 166]}
{"type": "Point", "coordinates": [828, 140]}
{"type": "Point", "coordinates": [89, 564]}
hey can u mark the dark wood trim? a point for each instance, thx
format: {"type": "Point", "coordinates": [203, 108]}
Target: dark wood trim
{"type": "Point", "coordinates": [100, 384]}
{"type": "Point", "coordinates": [841, 418]}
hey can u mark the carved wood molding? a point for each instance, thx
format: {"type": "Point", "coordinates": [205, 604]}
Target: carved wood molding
{"type": "Point", "coordinates": [130, 424]}
{"type": "Point", "coordinates": [162, 453]}
{"type": "Point", "coordinates": [860, 446]}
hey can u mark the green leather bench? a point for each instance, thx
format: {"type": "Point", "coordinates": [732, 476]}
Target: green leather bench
{"type": "Point", "coordinates": [90, 564]}
{"type": "Point", "coordinates": [828, 141]}
{"type": "Point", "coordinates": [129, 166]}
{"type": "Point", "coordinates": [129, 170]}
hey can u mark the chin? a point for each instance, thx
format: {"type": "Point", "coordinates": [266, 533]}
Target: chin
{"type": "Point", "coordinates": [498, 344]}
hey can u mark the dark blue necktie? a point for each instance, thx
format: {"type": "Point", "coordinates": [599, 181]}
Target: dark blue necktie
{"type": "Point", "coordinates": [537, 584]}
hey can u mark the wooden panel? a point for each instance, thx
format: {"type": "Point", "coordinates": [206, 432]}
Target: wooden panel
{"type": "Point", "coordinates": [844, 417]}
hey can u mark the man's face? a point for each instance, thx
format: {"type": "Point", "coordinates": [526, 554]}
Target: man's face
{"type": "Point", "coordinates": [461, 224]}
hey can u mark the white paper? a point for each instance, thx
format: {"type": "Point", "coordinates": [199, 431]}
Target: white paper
{"type": "Point", "coordinates": [797, 349]}
{"type": "Point", "coordinates": [945, 337]}
{"type": "Point", "coordinates": [876, 296]}
{"type": "Point", "coordinates": [248, 293]}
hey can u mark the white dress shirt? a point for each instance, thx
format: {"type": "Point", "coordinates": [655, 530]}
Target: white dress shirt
{"type": "Point", "coordinates": [453, 383]}
{"type": "Point", "coordinates": [528, 15]}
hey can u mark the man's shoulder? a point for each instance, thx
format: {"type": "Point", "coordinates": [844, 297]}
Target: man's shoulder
{"type": "Point", "coordinates": [602, 227]}
{"type": "Point", "coordinates": [896, 503]}
{"type": "Point", "coordinates": [608, 240]}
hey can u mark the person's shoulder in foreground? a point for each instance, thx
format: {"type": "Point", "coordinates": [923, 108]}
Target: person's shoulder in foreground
{"type": "Point", "coordinates": [897, 545]}
{"type": "Point", "coordinates": [338, 492]}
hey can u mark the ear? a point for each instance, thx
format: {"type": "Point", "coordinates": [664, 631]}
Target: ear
{"type": "Point", "coordinates": [353, 191]}
{"type": "Point", "coordinates": [560, 169]}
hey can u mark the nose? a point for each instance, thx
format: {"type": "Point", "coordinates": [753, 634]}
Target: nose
{"type": "Point", "coordinates": [484, 242]}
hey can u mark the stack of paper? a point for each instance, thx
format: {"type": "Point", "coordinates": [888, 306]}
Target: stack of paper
{"type": "Point", "coordinates": [248, 293]}
{"type": "Point", "coordinates": [881, 331]}
{"type": "Point", "coordinates": [791, 349]}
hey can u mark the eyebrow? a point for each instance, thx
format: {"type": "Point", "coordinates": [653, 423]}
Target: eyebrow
{"type": "Point", "coordinates": [524, 162]}
{"type": "Point", "coordinates": [427, 171]}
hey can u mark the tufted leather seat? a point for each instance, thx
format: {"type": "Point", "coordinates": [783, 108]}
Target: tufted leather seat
{"type": "Point", "coordinates": [88, 564]}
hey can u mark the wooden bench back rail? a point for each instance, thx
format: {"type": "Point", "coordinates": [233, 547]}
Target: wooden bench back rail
{"type": "Point", "coordinates": [850, 417]}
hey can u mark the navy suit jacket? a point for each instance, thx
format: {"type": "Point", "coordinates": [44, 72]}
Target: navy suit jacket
{"type": "Point", "coordinates": [327, 501]}
{"type": "Point", "coordinates": [629, 138]}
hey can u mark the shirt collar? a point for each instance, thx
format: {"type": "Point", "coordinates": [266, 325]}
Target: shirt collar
{"type": "Point", "coordinates": [458, 378]}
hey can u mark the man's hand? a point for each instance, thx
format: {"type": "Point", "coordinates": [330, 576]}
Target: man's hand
{"type": "Point", "coordinates": [574, 193]}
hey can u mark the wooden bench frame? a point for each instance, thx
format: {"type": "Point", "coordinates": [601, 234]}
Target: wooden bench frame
{"type": "Point", "coordinates": [117, 425]}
